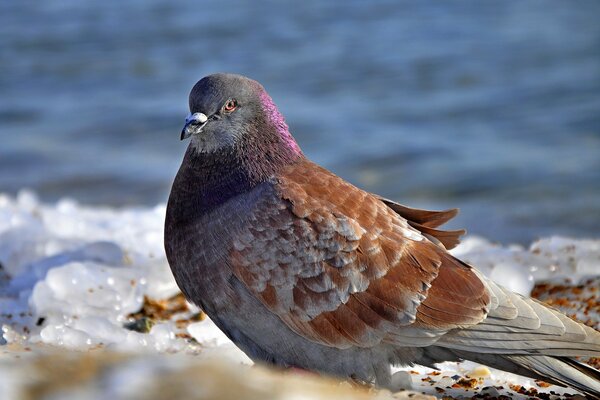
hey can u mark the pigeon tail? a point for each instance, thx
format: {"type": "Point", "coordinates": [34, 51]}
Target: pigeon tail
{"type": "Point", "coordinates": [563, 371]}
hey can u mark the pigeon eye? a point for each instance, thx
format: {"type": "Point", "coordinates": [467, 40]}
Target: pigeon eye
{"type": "Point", "coordinates": [230, 105]}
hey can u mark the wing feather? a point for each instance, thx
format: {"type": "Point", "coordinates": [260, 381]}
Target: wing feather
{"type": "Point", "coordinates": [533, 329]}
{"type": "Point", "coordinates": [425, 221]}
{"type": "Point", "coordinates": [342, 268]}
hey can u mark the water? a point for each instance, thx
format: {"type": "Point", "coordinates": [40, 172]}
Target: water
{"type": "Point", "coordinates": [493, 107]}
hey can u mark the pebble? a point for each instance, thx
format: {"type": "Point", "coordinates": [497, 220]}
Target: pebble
{"type": "Point", "coordinates": [401, 380]}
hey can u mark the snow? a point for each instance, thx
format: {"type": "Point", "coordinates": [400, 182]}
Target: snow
{"type": "Point", "coordinates": [70, 275]}
{"type": "Point", "coordinates": [518, 268]}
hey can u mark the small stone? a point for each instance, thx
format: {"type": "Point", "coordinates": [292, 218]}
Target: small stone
{"type": "Point", "coordinates": [490, 391]}
{"type": "Point", "coordinates": [481, 371]}
{"type": "Point", "coordinates": [401, 380]}
{"type": "Point", "coordinates": [142, 325]}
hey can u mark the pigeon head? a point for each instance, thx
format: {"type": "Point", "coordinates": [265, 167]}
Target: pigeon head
{"type": "Point", "coordinates": [238, 140]}
{"type": "Point", "coordinates": [231, 115]}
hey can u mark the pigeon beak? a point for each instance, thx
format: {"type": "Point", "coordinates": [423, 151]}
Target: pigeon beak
{"type": "Point", "coordinates": [193, 124]}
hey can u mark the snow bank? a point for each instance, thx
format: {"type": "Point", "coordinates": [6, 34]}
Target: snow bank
{"type": "Point", "coordinates": [70, 275]}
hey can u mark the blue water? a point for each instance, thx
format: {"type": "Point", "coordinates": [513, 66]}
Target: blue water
{"type": "Point", "coordinates": [493, 107]}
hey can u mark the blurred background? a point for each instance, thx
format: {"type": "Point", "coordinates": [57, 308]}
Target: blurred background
{"type": "Point", "coordinates": [493, 107]}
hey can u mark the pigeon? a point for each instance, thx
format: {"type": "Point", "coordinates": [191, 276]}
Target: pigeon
{"type": "Point", "coordinates": [302, 269]}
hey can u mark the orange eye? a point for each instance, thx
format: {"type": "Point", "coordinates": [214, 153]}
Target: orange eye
{"type": "Point", "coordinates": [230, 106]}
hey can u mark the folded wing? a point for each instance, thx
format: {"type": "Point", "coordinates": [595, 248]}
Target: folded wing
{"type": "Point", "coordinates": [342, 268]}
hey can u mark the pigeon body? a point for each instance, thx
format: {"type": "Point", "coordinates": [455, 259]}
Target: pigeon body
{"type": "Point", "coordinates": [301, 268]}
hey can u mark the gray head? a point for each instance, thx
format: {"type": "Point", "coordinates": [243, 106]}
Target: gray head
{"type": "Point", "coordinates": [231, 113]}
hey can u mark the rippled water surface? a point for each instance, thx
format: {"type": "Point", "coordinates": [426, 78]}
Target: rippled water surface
{"type": "Point", "coordinates": [493, 107]}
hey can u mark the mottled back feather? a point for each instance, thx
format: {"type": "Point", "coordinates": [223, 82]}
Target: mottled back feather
{"type": "Point", "coordinates": [341, 267]}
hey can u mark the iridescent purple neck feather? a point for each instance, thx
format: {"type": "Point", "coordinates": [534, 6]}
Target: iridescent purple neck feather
{"type": "Point", "coordinates": [275, 118]}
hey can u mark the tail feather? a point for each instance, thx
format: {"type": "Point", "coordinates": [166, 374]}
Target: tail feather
{"type": "Point", "coordinates": [593, 372]}
{"type": "Point", "coordinates": [563, 370]}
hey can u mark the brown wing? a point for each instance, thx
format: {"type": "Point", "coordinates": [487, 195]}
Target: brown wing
{"type": "Point", "coordinates": [341, 268]}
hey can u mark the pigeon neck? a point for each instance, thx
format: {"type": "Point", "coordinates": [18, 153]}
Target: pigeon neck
{"type": "Point", "coordinates": [210, 179]}
{"type": "Point", "coordinates": [276, 121]}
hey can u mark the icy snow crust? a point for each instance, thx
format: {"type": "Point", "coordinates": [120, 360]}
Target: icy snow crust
{"type": "Point", "coordinates": [71, 274]}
